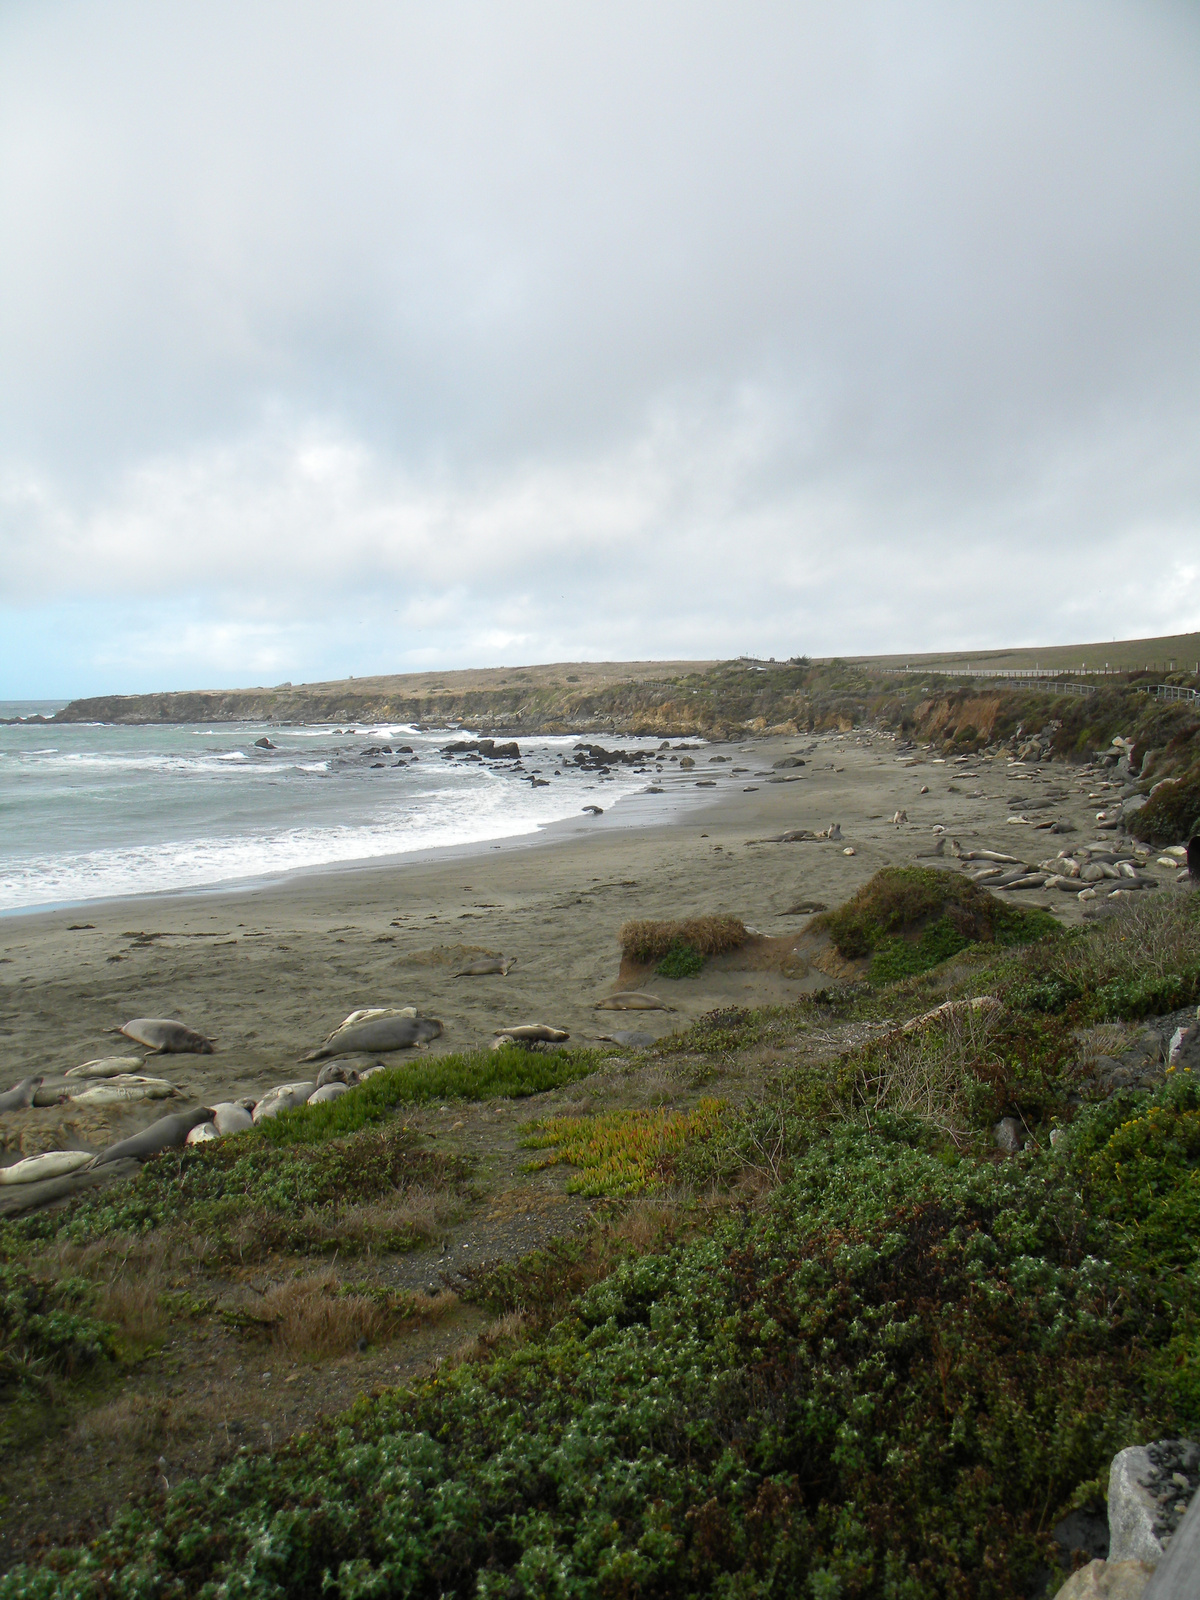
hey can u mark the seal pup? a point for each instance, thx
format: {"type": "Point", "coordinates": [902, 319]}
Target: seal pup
{"type": "Point", "coordinates": [20, 1096]}
{"type": "Point", "coordinates": [337, 1072]}
{"type": "Point", "coordinates": [632, 1000]}
{"type": "Point", "coordinates": [283, 1097]}
{"type": "Point", "coordinates": [398, 1031]}
{"type": "Point", "coordinates": [51, 1164]}
{"type": "Point", "coordinates": [631, 1038]}
{"type": "Point", "coordinates": [327, 1091]}
{"type": "Point", "coordinates": [532, 1033]}
{"type": "Point", "coordinates": [105, 1067]}
{"type": "Point", "coordinates": [164, 1037]}
{"type": "Point", "coordinates": [485, 966]}
{"type": "Point", "coordinates": [168, 1133]}
{"type": "Point", "coordinates": [233, 1116]}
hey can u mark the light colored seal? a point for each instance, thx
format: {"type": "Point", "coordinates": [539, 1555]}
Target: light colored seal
{"type": "Point", "coordinates": [485, 966]}
{"type": "Point", "coordinates": [107, 1067]}
{"type": "Point", "coordinates": [168, 1133]}
{"type": "Point", "coordinates": [127, 1087]}
{"type": "Point", "coordinates": [533, 1033]}
{"type": "Point", "coordinates": [283, 1097]}
{"type": "Point", "coordinates": [398, 1031]}
{"type": "Point", "coordinates": [233, 1116]}
{"type": "Point", "coordinates": [328, 1091]}
{"type": "Point", "coordinates": [202, 1133]}
{"type": "Point", "coordinates": [167, 1038]}
{"type": "Point", "coordinates": [52, 1164]}
{"type": "Point", "coordinates": [632, 1000]}
{"type": "Point", "coordinates": [20, 1096]}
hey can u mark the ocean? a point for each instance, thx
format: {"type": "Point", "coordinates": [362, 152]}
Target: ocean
{"type": "Point", "coordinates": [91, 811]}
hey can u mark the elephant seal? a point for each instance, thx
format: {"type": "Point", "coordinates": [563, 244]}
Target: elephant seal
{"type": "Point", "coordinates": [106, 1067]}
{"type": "Point", "coordinates": [168, 1133]}
{"type": "Point", "coordinates": [327, 1092]}
{"type": "Point", "coordinates": [596, 811]}
{"type": "Point", "coordinates": [632, 1000]}
{"type": "Point", "coordinates": [20, 1096]}
{"type": "Point", "coordinates": [283, 1097]}
{"type": "Point", "coordinates": [52, 1164]}
{"type": "Point", "coordinates": [118, 1091]}
{"type": "Point", "coordinates": [233, 1116]}
{"type": "Point", "coordinates": [202, 1133]}
{"type": "Point", "coordinates": [337, 1072]}
{"type": "Point", "coordinates": [167, 1038]}
{"type": "Point", "coordinates": [398, 1031]}
{"type": "Point", "coordinates": [533, 1033]}
{"type": "Point", "coordinates": [485, 966]}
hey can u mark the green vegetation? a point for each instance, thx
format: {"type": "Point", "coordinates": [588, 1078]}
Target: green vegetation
{"type": "Point", "coordinates": [623, 1152]}
{"type": "Point", "coordinates": [46, 1330]}
{"type": "Point", "coordinates": [840, 1349]}
{"type": "Point", "coordinates": [507, 1073]}
{"type": "Point", "coordinates": [1171, 815]}
{"type": "Point", "coordinates": [680, 961]}
{"type": "Point", "coordinates": [935, 914]}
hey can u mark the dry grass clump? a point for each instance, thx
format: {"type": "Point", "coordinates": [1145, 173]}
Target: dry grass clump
{"type": "Point", "coordinates": [709, 936]}
{"type": "Point", "coordinates": [318, 1316]}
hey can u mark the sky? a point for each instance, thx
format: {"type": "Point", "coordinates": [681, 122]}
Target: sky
{"type": "Point", "coordinates": [376, 337]}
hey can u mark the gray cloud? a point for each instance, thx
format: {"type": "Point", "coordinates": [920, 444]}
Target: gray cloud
{"type": "Point", "coordinates": [603, 330]}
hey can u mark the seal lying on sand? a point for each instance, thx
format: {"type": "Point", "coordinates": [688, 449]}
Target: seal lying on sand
{"type": "Point", "coordinates": [108, 1067]}
{"type": "Point", "coordinates": [167, 1038]}
{"type": "Point", "coordinates": [233, 1116]}
{"type": "Point", "coordinates": [631, 1038]}
{"type": "Point", "coordinates": [168, 1133]}
{"type": "Point", "coordinates": [20, 1096]}
{"type": "Point", "coordinates": [328, 1091]}
{"type": "Point", "coordinates": [52, 1164]}
{"type": "Point", "coordinates": [337, 1072]}
{"type": "Point", "coordinates": [485, 966]}
{"type": "Point", "coordinates": [116, 1091]}
{"type": "Point", "coordinates": [383, 1031]}
{"type": "Point", "coordinates": [202, 1133]}
{"type": "Point", "coordinates": [530, 1033]}
{"type": "Point", "coordinates": [632, 1000]}
{"type": "Point", "coordinates": [283, 1097]}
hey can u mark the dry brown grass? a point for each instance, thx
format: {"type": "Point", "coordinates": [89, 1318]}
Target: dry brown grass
{"type": "Point", "coordinates": [920, 1074]}
{"type": "Point", "coordinates": [317, 1316]}
{"type": "Point", "coordinates": [709, 936]}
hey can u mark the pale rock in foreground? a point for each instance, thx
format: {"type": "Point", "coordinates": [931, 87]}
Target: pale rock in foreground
{"type": "Point", "coordinates": [1107, 1580]}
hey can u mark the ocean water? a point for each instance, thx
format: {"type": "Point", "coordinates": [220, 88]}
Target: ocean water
{"type": "Point", "coordinates": [93, 811]}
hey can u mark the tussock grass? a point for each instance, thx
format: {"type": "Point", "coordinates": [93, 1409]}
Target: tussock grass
{"type": "Point", "coordinates": [708, 936]}
{"type": "Point", "coordinates": [622, 1152]}
{"type": "Point", "coordinates": [318, 1315]}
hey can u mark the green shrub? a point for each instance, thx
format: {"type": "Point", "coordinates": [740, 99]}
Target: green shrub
{"type": "Point", "coordinates": [1169, 816]}
{"type": "Point", "coordinates": [897, 957]}
{"type": "Point", "coordinates": [893, 1377]}
{"type": "Point", "coordinates": [680, 961]}
{"type": "Point", "coordinates": [897, 899]}
{"type": "Point", "coordinates": [46, 1329]}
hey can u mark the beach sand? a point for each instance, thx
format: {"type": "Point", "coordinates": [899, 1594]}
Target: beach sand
{"type": "Point", "coordinates": [268, 972]}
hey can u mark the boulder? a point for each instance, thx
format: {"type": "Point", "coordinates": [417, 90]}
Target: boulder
{"type": "Point", "coordinates": [1107, 1580]}
{"type": "Point", "coordinates": [1008, 1136]}
{"type": "Point", "coordinates": [1132, 1508]}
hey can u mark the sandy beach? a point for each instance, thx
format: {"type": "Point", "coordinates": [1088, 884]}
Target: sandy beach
{"type": "Point", "coordinates": [267, 972]}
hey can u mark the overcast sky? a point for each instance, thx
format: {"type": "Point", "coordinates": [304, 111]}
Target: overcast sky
{"type": "Point", "coordinates": [360, 337]}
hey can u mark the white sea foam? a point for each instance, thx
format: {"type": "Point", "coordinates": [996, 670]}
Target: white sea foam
{"type": "Point", "coordinates": [118, 811]}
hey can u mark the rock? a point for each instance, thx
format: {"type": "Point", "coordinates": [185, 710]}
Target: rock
{"type": "Point", "coordinates": [263, 744]}
{"type": "Point", "coordinates": [1107, 1580]}
{"type": "Point", "coordinates": [1132, 1509]}
{"type": "Point", "coordinates": [1008, 1136]}
{"type": "Point", "coordinates": [788, 761]}
{"type": "Point", "coordinates": [686, 761]}
{"type": "Point", "coordinates": [1134, 804]}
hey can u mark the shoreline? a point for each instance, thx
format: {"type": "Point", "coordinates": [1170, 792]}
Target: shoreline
{"type": "Point", "coordinates": [269, 972]}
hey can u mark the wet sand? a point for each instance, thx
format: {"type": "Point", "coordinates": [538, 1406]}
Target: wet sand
{"type": "Point", "coordinates": [269, 971]}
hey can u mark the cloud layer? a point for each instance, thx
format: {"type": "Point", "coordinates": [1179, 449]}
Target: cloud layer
{"type": "Point", "coordinates": [362, 338]}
